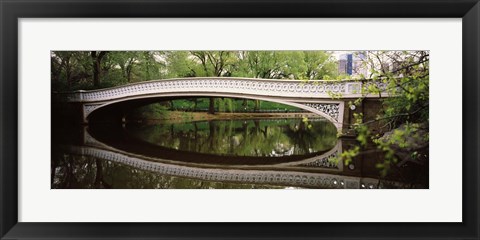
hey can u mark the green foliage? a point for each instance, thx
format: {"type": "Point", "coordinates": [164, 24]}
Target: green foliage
{"type": "Point", "coordinates": [302, 65]}
{"type": "Point", "coordinates": [406, 79]}
{"type": "Point", "coordinates": [74, 70]}
{"type": "Point", "coordinates": [348, 155]}
{"type": "Point", "coordinates": [152, 111]}
{"type": "Point", "coordinates": [87, 70]}
{"type": "Point", "coordinates": [222, 104]}
{"type": "Point", "coordinates": [179, 65]}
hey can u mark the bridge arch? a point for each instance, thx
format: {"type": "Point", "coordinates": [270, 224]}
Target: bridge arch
{"type": "Point", "coordinates": [330, 110]}
{"type": "Point", "coordinates": [325, 98]}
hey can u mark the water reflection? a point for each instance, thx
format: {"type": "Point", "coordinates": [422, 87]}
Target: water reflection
{"type": "Point", "coordinates": [267, 153]}
{"type": "Point", "coordinates": [260, 138]}
{"type": "Point", "coordinates": [76, 171]}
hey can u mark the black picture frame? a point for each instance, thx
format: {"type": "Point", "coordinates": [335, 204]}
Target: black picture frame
{"type": "Point", "coordinates": [11, 11]}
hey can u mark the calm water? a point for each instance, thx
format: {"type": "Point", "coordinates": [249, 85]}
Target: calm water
{"type": "Point", "coordinates": [245, 153]}
{"type": "Point", "coordinates": [246, 138]}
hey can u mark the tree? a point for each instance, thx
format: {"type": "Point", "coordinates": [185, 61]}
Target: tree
{"type": "Point", "coordinates": [126, 61]}
{"type": "Point", "coordinates": [405, 77]}
{"type": "Point", "coordinates": [214, 64]}
{"type": "Point", "coordinates": [179, 64]}
{"type": "Point", "coordinates": [70, 69]}
{"type": "Point", "coordinates": [274, 64]}
{"type": "Point", "coordinates": [150, 66]}
{"type": "Point", "coordinates": [284, 65]}
{"type": "Point", "coordinates": [61, 62]}
{"type": "Point", "coordinates": [97, 57]}
{"type": "Point", "coordinates": [319, 65]}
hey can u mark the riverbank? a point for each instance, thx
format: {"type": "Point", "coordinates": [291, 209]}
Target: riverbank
{"type": "Point", "coordinates": [199, 116]}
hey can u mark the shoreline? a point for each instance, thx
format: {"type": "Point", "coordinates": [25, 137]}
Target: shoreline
{"type": "Point", "coordinates": [199, 116]}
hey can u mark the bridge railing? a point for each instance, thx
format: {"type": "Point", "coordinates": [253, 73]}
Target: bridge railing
{"type": "Point", "coordinates": [76, 96]}
{"type": "Point", "coordinates": [265, 87]}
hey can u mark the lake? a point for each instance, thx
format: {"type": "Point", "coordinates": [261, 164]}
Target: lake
{"type": "Point", "coordinates": [234, 154]}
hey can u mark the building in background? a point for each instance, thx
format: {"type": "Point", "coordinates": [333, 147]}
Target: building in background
{"type": "Point", "coordinates": [369, 64]}
{"type": "Point", "coordinates": [345, 64]}
{"type": "Point", "coordinates": [353, 64]}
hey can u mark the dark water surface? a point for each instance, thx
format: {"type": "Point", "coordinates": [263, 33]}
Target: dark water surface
{"type": "Point", "coordinates": [242, 153]}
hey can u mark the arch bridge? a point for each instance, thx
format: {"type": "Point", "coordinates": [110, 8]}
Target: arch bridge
{"type": "Point", "coordinates": [326, 98]}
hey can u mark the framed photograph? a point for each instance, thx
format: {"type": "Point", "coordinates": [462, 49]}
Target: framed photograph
{"type": "Point", "coordinates": [245, 120]}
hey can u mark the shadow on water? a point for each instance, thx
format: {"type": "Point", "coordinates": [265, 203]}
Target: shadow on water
{"type": "Point", "coordinates": [253, 153]}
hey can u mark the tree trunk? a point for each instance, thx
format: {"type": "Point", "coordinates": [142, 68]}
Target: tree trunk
{"type": "Point", "coordinates": [129, 73]}
{"type": "Point", "coordinates": [211, 106]}
{"type": "Point", "coordinates": [68, 74]}
{"type": "Point", "coordinates": [257, 105]}
{"type": "Point", "coordinates": [245, 104]}
{"type": "Point", "coordinates": [96, 60]}
{"type": "Point", "coordinates": [96, 69]}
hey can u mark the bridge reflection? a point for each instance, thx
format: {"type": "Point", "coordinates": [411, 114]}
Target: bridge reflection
{"type": "Point", "coordinates": [316, 171]}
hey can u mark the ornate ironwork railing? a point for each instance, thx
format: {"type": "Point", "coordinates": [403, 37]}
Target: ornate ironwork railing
{"type": "Point", "coordinates": [263, 87]}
